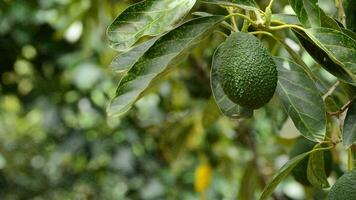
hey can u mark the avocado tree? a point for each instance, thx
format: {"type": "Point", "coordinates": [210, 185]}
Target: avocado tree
{"type": "Point", "coordinates": [305, 61]}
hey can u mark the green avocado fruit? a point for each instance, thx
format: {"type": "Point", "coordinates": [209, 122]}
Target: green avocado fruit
{"type": "Point", "coordinates": [299, 173]}
{"type": "Point", "coordinates": [247, 72]}
{"type": "Point", "coordinates": [344, 188]}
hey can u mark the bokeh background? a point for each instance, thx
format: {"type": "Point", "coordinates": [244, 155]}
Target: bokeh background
{"type": "Point", "coordinates": [56, 141]}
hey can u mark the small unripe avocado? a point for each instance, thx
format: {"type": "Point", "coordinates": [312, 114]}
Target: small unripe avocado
{"type": "Point", "coordinates": [299, 173]}
{"type": "Point", "coordinates": [247, 72]}
{"type": "Point", "coordinates": [344, 188]}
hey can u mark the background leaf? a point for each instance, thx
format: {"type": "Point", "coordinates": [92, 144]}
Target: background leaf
{"type": "Point", "coordinates": [227, 107]}
{"type": "Point", "coordinates": [285, 18]}
{"type": "Point", "coordinates": [349, 130]}
{"type": "Point", "coordinates": [301, 100]}
{"type": "Point", "coordinates": [146, 18]}
{"type": "Point", "coordinates": [316, 170]}
{"type": "Point", "coordinates": [167, 51]}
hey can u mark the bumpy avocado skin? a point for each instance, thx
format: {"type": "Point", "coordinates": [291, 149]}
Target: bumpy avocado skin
{"type": "Point", "coordinates": [299, 173]}
{"type": "Point", "coordinates": [247, 72]}
{"type": "Point", "coordinates": [344, 188]}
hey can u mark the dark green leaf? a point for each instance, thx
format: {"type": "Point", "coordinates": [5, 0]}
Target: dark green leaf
{"type": "Point", "coordinates": [307, 11]}
{"type": "Point", "coordinates": [349, 129]}
{"type": "Point", "coordinates": [146, 18]}
{"type": "Point", "coordinates": [325, 58]}
{"type": "Point", "coordinates": [339, 47]}
{"type": "Point", "coordinates": [124, 61]}
{"type": "Point", "coordinates": [316, 170]}
{"type": "Point", "coordinates": [167, 52]}
{"type": "Point", "coordinates": [350, 10]}
{"type": "Point", "coordinates": [283, 173]}
{"type": "Point", "coordinates": [301, 99]}
{"type": "Point", "coordinates": [227, 107]}
{"type": "Point", "coordinates": [244, 4]}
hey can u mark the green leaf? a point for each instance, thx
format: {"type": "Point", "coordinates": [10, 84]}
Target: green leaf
{"type": "Point", "coordinates": [324, 57]}
{"type": "Point", "coordinates": [316, 170]}
{"type": "Point", "coordinates": [349, 129]}
{"type": "Point", "coordinates": [301, 100]}
{"type": "Point", "coordinates": [244, 4]}
{"type": "Point", "coordinates": [167, 52]}
{"type": "Point", "coordinates": [339, 47]}
{"type": "Point", "coordinates": [285, 18]}
{"type": "Point", "coordinates": [124, 61]}
{"type": "Point", "coordinates": [350, 10]}
{"type": "Point", "coordinates": [307, 11]}
{"type": "Point", "coordinates": [283, 173]}
{"type": "Point", "coordinates": [226, 106]}
{"type": "Point", "coordinates": [146, 18]}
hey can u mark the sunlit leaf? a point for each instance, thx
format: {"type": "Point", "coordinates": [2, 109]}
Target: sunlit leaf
{"type": "Point", "coordinates": [349, 129]}
{"type": "Point", "coordinates": [167, 52]}
{"type": "Point", "coordinates": [227, 107]}
{"type": "Point", "coordinates": [301, 99]}
{"type": "Point", "coordinates": [124, 61]}
{"type": "Point", "coordinates": [307, 11]}
{"type": "Point", "coordinates": [146, 18]}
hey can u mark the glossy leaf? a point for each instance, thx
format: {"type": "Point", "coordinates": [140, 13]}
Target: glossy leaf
{"type": "Point", "coordinates": [146, 18]}
{"type": "Point", "coordinates": [349, 129]}
{"type": "Point", "coordinates": [339, 47]}
{"type": "Point", "coordinates": [244, 4]}
{"type": "Point", "coordinates": [124, 61]}
{"type": "Point", "coordinates": [323, 57]}
{"type": "Point", "coordinates": [283, 173]}
{"type": "Point", "coordinates": [226, 106]}
{"type": "Point", "coordinates": [168, 51]}
{"type": "Point", "coordinates": [301, 100]}
{"type": "Point", "coordinates": [307, 11]}
{"type": "Point", "coordinates": [316, 170]}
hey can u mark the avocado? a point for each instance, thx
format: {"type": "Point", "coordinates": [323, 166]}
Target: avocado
{"type": "Point", "coordinates": [299, 173]}
{"type": "Point", "coordinates": [246, 71]}
{"type": "Point", "coordinates": [344, 188]}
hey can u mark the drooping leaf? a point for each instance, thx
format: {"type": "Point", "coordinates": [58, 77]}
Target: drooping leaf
{"type": "Point", "coordinates": [349, 129]}
{"type": "Point", "coordinates": [316, 170]}
{"type": "Point", "coordinates": [167, 52]}
{"type": "Point", "coordinates": [244, 4]}
{"type": "Point", "coordinates": [124, 61]}
{"type": "Point", "coordinates": [339, 47]}
{"type": "Point", "coordinates": [301, 100]}
{"type": "Point", "coordinates": [283, 173]}
{"type": "Point", "coordinates": [146, 18]}
{"type": "Point", "coordinates": [227, 107]}
{"type": "Point", "coordinates": [307, 11]}
{"type": "Point", "coordinates": [325, 57]}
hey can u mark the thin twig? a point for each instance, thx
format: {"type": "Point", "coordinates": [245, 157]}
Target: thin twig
{"type": "Point", "coordinates": [331, 90]}
{"type": "Point", "coordinates": [342, 110]}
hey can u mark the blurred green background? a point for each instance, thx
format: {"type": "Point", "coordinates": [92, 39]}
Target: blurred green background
{"type": "Point", "coordinates": [56, 141]}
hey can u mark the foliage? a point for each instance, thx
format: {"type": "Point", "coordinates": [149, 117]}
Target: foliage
{"type": "Point", "coordinates": [239, 67]}
{"type": "Point", "coordinates": [174, 137]}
